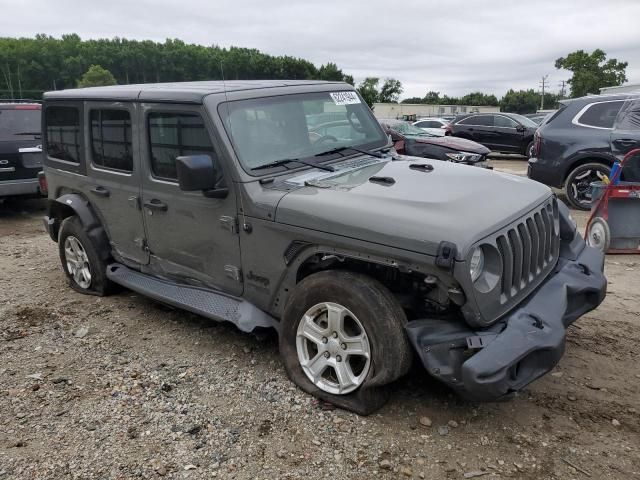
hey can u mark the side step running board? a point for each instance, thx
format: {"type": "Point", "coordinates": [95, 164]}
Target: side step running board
{"type": "Point", "coordinates": [207, 303]}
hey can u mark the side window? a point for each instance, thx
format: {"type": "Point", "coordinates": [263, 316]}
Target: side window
{"type": "Point", "coordinates": [111, 139]}
{"type": "Point", "coordinates": [504, 122]}
{"type": "Point", "coordinates": [63, 133]}
{"type": "Point", "coordinates": [174, 135]}
{"type": "Point", "coordinates": [601, 115]}
{"type": "Point", "coordinates": [629, 118]}
{"type": "Point", "coordinates": [478, 120]}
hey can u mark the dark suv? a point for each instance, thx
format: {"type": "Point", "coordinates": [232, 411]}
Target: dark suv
{"type": "Point", "coordinates": [500, 132]}
{"type": "Point", "coordinates": [576, 146]}
{"type": "Point", "coordinates": [20, 148]}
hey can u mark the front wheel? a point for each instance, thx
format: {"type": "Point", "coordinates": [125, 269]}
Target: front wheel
{"type": "Point", "coordinates": [578, 184]}
{"type": "Point", "coordinates": [342, 339]}
{"type": "Point", "coordinates": [529, 150]}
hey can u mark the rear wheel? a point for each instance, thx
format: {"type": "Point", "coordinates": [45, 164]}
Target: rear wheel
{"type": "Point", "coordinates": [342, 339]}
{"type": "Point", "coordinates": [578, 184]}
{"type": "Point", "coordinates": [85, 269]}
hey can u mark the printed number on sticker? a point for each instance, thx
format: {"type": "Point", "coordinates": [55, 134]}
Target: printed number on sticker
{"type": "Point", "coordinates": [345, 98]}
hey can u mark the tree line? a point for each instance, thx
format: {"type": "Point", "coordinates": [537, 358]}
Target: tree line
{"type": "Point", "coordinates": [31, 66]}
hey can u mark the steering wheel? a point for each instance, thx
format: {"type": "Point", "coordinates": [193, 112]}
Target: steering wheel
{"type": "Point", "coordinates": [325, 138]}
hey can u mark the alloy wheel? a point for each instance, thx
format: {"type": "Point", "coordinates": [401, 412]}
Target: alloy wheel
{"type": "Point", "coordinates": [77, 262]}
{"type": "Point", "coordinates": [333, 348]}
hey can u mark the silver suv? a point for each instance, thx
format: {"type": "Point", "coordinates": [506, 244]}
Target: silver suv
{"type": "Point", "coordinates": [231, 201]}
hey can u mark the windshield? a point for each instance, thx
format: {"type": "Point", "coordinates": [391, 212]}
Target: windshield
{"type": "Point", "coordinates": [527, 122]}
{"type": "Point", "coordinates": [406, 128]}
{"type": "Point", "coordinates": [266, 130]}
{"type": "Point", "coordinates": [19, 123]}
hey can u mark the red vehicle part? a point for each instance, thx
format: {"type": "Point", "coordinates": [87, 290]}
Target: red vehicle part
{"type": "Point", "coordinates": [598, 224]}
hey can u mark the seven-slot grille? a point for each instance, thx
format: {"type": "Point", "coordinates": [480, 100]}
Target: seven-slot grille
{"type": "Point", "coordinates": [528, 249]}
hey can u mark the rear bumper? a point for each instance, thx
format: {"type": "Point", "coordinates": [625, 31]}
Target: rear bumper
{"type": "Point", "coordinates": [29, 186]}
{"type": "Point", "coordinates": [486, 365]}
{"type": "Point", "coordinates": [540, 171]}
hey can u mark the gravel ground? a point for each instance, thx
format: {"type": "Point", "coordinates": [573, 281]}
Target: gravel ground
{"type": "Point", "coordinates": [122, 387]}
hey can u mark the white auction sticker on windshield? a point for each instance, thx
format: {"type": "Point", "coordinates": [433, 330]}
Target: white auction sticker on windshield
{"type": "Point", "coordinates": [345, 98]}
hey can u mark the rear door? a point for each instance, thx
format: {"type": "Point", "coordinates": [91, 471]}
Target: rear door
{"type": "Point", "coordinates": [480, 129]}
{"type": "Point", "coordinates": [114, 174]}
{"type": "Point", "coordinates": [625, 137]}
{"type": "Point", "coordinates": [192, 239]}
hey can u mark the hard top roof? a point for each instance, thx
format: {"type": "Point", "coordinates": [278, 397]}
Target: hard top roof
{"type": "Point", "coordinates": [192, 92]}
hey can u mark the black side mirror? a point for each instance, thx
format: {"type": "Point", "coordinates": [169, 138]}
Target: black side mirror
{"type": "Point", "coordinates": [521, 128]}
{"type": "Point", "coordinates": [197, 172]}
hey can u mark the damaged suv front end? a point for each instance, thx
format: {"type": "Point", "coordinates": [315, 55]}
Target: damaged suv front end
{"type": "Point", "coordinates": [524, 285]}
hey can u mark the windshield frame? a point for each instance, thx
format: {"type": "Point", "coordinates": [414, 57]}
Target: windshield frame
{"type": "Point", "coordinates": [316, 157]}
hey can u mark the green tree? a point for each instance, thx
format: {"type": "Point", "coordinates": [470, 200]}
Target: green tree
{"type": "Point", "coordinates": [97, 76]}
{"type": "Point", "coordinates": [390, 91]}
{"type": "Point", "coordinates": [479, 99]}
{"type": "Point", "coordinates": [368, 89]}
{"type": "Point", "coordinates": [521, 101]}
{"type": "Point", "coordinates": [592, 71]}
{"type": "Point", "coordinates": [413, 100]}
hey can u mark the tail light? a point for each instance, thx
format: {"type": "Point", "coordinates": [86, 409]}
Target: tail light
{"type": "Point", "coordinates": [42, 182]}
{"type": "Point", "coordinates": [537, 146]}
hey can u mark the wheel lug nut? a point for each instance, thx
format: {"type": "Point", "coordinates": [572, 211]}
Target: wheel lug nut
{"type": "Point", "coordinates": [338, 358]}
{"type": "Point", "coordinates": [343, 346]}
{"type": "Point", "coordinates": [325, 339]}
{"type": "Point", "coordinates": [327, 354]}
{"type": "Point", "coordinates": [335, 334]}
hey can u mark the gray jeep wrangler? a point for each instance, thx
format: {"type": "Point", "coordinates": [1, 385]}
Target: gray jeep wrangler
{"type": "Point", "coordinates": [280, 204]}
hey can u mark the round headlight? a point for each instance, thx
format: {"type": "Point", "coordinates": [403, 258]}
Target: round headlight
{"type": "Point", "coordinates": [476, 264]}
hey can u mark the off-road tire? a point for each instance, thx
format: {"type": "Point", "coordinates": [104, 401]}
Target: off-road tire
{"type": "Point", "coordinates": [574, 176]}
{"type": "Point", "coordinates": [100, 285]}
{"type": "Point", "coordinates": [382, 318]}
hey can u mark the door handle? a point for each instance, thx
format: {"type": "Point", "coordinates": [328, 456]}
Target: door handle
{"type": "Point", "coordinates": [100, 191]}
{"type": "Point", "coordinates": [156, 204]}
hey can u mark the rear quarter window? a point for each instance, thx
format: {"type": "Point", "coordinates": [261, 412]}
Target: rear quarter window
{"type": "Point", "coordinates": [599, 115]}
{"type": "Point", "coordinates": [63, 133]}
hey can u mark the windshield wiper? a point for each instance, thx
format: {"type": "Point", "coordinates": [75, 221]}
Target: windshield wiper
{"type": "Point", "coordinates": [285, 161]}
{"type": "Point", "coordinates": [28, 133]}
{"type": "Point", "coordinates": [340, 149]}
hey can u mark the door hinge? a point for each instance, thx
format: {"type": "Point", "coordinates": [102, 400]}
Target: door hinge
{"type": "Point", "coordinates": [233, 272]}
{"type": "Point", "coordinates": [229, 223]}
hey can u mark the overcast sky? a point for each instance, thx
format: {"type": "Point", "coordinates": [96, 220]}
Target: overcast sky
{"type": "Point", "coordinates": [450, 46]}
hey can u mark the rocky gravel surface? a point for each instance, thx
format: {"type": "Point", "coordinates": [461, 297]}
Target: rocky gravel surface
{"type": "Point", "coordinates": [122, 387]}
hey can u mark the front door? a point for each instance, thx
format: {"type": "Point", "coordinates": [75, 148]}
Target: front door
{"type": "Point", "coordinates": [114, 168]}
{"type": "Point", "coordinates": [508, 137]}
{"type": "Point", "coordinates": [192, 239]}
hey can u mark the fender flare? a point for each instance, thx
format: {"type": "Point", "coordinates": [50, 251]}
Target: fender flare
{"type": "Point", "coordinates": [71, 204]}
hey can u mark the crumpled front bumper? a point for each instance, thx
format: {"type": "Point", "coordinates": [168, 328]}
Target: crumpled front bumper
{"type": "Point", "coordinates": [485, 365]}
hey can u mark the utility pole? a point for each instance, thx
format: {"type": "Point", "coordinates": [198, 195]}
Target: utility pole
{"type": "Point", "coordinates": [563, 88]}
{"type": "Point", "coordinates": [543, 85]}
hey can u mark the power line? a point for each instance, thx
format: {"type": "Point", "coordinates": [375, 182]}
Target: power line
{"type": "Point", "coordinates": [563, 88]}
{"type": "Point", "coordinates": [543, 85]}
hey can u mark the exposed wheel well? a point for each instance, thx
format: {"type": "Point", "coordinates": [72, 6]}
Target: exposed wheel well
{"type": "Point", "coordinates": [412, 289]}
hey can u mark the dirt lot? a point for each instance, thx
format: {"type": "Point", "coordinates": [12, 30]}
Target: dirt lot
{"type": "Point", "coordinates": [122, 387]}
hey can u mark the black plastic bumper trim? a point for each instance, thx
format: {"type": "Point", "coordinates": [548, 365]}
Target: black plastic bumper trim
{"type": "Point", "coordinates": [519, 348]}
